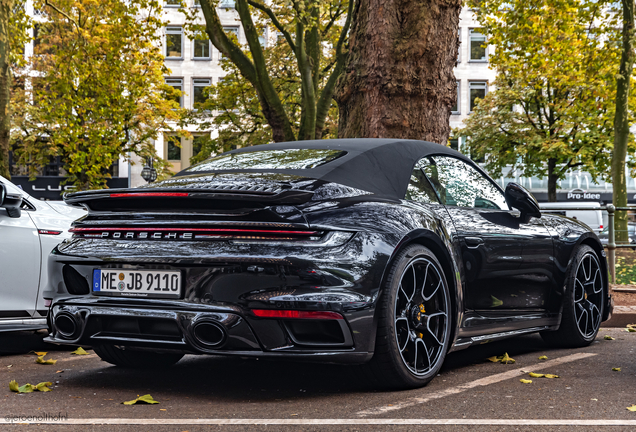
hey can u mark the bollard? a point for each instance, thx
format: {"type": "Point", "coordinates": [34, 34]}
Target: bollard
{"type": "Point", "coordinates": [611, 243]}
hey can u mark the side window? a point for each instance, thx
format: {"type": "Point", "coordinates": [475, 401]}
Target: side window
{"type": "Point", "coordinates": [459, 184]}
{"type": "Point", "coordinates": [420, 189]}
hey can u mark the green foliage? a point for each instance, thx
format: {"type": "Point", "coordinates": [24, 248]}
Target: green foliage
{"type": "Point", "coordinates": [280, 84]}
{"type": "Point", "coordinates": [238, 116]}
{"type": "Point", "coordinates": [552, 109]}
{"type": "Point", "coordinates": [625, 270]}
{"type": "Point", "coordinates": [101, 92]}
{"type": "Point", "coordinates": [19, 26]}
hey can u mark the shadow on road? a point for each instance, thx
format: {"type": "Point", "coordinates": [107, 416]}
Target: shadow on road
{"type": "Point", "coordinates": [214, 377]}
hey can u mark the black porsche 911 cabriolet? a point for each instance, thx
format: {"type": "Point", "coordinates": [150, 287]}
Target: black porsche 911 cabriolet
{"type": "Point", "coordinates": [388, 253]}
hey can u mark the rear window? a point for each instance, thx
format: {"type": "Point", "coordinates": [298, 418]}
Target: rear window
{"type": "Point", "coordinates": [269, 159]}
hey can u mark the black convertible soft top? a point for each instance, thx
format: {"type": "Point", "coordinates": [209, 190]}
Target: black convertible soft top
{"type": "Point", "coordinates": [380, 166]}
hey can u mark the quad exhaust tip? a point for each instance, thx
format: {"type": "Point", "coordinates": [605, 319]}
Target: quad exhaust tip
{"type": "Point", "coordinates": [67, 325]}
{"type": "Point", "coordinates": [209, 333]}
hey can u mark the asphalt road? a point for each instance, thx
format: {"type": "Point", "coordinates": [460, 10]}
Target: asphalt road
{"type": "Point", "coordinates": [470, 389]}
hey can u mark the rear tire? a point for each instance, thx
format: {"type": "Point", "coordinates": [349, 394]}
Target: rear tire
{"type": "Point", "coordinates": [583, 302]}
{"type": "Point", "coordinates": [414, 316]}
{"type": "Point", "coordinates": [135, 359]}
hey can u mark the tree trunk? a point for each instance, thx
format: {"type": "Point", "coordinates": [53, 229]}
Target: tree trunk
{"type": "Point", "coordinates": [398, 81]}
{"type": "Point", "coordinates": [6, 6]}
{"type": "Point", "coordinates": [553, 177]}
{"type": "Point", "coordinates": [621, 121]}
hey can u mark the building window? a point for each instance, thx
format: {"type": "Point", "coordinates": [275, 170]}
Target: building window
{"type": "Point", "coordinates": [177, 83]}
{"type": "Point", "coordinates": [172, 3]}
{"type": "Point", "coordinates": [233, 33]}
{"type": "Point", "coordinates": [174, 42]}
{"type": "Point", "coordinates": [454, 143]}
{"type": "Point", "coordinates": [227, 4]}
{"type": "Point", "coordinates": [173, 148]}
{"type": "Point", "coordinates": [201, 48]}
{"type": "Point", "coordinates": [477, 46]}
{"type": "Point", "coordinates": [455, 108]}
{"type": "Point", "coordinates": [477, 90]}
{"type": "Point", "coordinates": [198, 93]}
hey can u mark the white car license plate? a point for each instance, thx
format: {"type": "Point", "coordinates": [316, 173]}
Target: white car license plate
{"type": "Point", "coordinates": [137, 283]}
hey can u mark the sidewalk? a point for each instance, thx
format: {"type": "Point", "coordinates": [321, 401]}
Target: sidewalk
{"type": "Point", "coordinates": [621, 316]}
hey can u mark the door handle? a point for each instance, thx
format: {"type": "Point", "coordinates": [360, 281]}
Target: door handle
{"type": "Point", "coordinates": [473, 242]}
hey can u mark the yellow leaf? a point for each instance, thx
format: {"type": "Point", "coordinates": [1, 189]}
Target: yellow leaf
{"type": "Point", "coordinates": [525, 381]}
{"type": "Point", "coordinates": [44, 386]}
{"type": "Point", "coordinates": [40, 360]}
{"type": "Point", "coordinates": [551, 376]}
{"type": "Point", "coordinates": [79, 351]}
{"type": "Point", "coordinates": [13, 386]}
{"type": "Point", "coordinates": [616, 369]}
{"type": "Point", "coordinates": [506, 359]}
{"type": "Point", "coordinates": [494, 359]}
{"type": "Point", "coordinates": [608, 337]}
{"type": "Point", "coordinates": [147, 399]}
{"type": "Point", "coordinates": [632, 408]}
{"type": "Point", "coordinates": [631, 330]}
{"type": "Point", "coordinates": [543, 358]}
{"type": "Point", "coordinates": [535, 375]}
{"type": "Point", "coordinates": [40, 353]}
{"type": "Point", "coordinates": [495, 301]}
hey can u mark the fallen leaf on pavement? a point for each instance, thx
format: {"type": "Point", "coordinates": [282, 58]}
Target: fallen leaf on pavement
{"type": "Point", "coordinates": [608, 337]}
{"type": "Point", "coordinates": [29, 388]}
{"type": "Point", "coordinates": [141, 399]}
{"type": "Point", "coordinates": [80, 351]}
{"type": "Point", "coordinates": [505, 359]}
{"type": "Point", "coordinates": [632, 408]}
{"type": "Point", "coordinates": [538, 375]}
{"type": "Point", "coordinates": [543, 358]}
{"type": "Point", "coordinates": [525, 381]}
{"type": "Point", "coordinates": [40, 353]}
{"type": "Point", "coordinates": [616, 369]}
{"type": "Point", "coordinates": [40, 360]}
{"type": "Point", "coordinates": [60, 371]}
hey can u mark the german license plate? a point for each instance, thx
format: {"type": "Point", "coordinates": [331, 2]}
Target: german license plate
{"type": "Point", "coordinates": [137, 283]}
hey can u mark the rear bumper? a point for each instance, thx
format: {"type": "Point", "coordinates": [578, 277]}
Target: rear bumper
{"type": "Point", "coordinates": [200, 330]}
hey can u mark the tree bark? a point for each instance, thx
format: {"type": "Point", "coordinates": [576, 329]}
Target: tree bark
{"type": "Point", "coordinates": [398, 81]}
{"type": "Point", "coordinates": [553, 177]}
{"type": "Point", "coordinates": [6, 6]}
{"type": "Point", "coordinates": [621, 121]}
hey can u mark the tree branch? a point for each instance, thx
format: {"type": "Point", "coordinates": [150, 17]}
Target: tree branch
{"type": "Point", "coordinates": [275, 21]}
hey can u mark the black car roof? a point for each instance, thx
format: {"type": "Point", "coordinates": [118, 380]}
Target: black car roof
{"type": "Point", "coordinates": [380, 166]}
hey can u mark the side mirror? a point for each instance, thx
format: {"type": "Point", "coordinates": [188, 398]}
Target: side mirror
{"type": "Point", "coordinates": [518, 197]}
{"type": "Point", "coordinates": [11, 203]}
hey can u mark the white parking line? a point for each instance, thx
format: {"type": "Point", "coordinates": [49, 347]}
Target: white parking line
{"type": "Point", "coordinates": [480, 382]}
{"type": "Point", "coordinates": [293, 422]}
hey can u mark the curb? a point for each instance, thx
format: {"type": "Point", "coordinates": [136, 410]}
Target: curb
{"type": "Point", "coordinates": [621, 316]}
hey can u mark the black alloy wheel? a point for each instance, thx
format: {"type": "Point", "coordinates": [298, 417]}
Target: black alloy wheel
{"type": "Point", "coordinates": [414, 321]}
{"type": "Point", "coordinates": [583, 302]}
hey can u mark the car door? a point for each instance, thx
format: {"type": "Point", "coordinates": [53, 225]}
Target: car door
{"type": "Point", "coordinates": [507, 264]}
{"type": "Point", "coordinates": [19, 264]}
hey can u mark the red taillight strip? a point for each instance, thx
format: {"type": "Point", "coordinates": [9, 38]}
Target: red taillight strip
{"type": "Point", "coordinates": [212, 230]}
{"type": "Point", "coordinates": [296, 314]}
{"type": "Point", "coordinates": [49, 232]}
{"type": "Point", "coordinates": [148, 194]}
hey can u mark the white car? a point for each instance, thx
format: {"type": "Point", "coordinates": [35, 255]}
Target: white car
{"type": "Point", "coordinates": [29, 230]}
